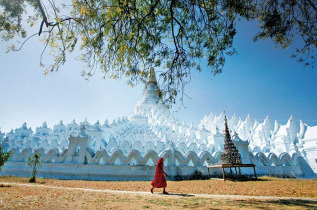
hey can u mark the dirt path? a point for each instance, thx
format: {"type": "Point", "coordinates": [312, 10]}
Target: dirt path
{"type": "Point", "coordinates": [140, 193]}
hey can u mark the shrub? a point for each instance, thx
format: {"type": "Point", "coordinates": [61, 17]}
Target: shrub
{"type": "Point", "coordinates": [197, 175]}
{"type": "Point", "coordinates": [34, 161]}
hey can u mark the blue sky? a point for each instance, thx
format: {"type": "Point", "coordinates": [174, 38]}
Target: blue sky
{"type": "Point", "coordinates": [261, 80]}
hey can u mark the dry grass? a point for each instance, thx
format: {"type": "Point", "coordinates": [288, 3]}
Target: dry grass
{"type": "Point", "coordinates": [265, 186]}
{"type": "Point", "coordinates": [17, 197]}
{"type": "Point", "coordinates": [13, 196]}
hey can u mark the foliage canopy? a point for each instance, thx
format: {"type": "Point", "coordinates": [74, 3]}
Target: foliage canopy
{"type": "Point", "coordinates": [124, 38]}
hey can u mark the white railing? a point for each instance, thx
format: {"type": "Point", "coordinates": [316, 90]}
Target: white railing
{"type": "Point", "coordinates": [172, 156]}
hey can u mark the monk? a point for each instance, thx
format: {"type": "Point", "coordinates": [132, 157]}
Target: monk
{"type": "Point", "coordinates": [159, 180]}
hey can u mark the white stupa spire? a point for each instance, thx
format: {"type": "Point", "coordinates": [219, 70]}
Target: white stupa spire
{"type": "Point", "coordinates": [151, 77]}
{"type": "Point", "coordinates": [150, 98]}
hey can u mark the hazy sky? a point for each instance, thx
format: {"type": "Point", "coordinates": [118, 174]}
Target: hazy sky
{"type": "Point", "coordinates": [259, 81]}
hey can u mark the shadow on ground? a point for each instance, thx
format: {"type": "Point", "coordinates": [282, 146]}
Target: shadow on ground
{"type": "Point", "coordinates": [4, 185]}
{"type": "Point", "coordinates": [282, 202]}
{"type": "Point", "coordinates": [178, 194]}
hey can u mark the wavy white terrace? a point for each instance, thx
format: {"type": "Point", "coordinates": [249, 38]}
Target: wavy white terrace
{"type": "Point", "coordinates": [152, 131]}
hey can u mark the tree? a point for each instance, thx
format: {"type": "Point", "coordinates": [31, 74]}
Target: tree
{"type": "Point", "coordinates": [34, 161]}
{"type": "Point", "coordinates": [4, 157]}
{"type": "Point", "coordinates": [125, 37]}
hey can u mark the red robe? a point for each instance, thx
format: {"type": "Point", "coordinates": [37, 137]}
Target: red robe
{"type": "Point", "coordinates": [159, 180]}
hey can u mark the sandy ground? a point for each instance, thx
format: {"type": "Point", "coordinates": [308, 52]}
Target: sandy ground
{"type": "Point", "coordinates": [16, 197]}
{"type": "Point", "coordinates": [265, 186]}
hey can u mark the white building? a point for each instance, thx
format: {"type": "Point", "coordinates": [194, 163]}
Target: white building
{"type": "Point", "coordinates": [127, 148]}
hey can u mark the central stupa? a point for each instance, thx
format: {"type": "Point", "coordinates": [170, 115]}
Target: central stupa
{"type": "Point", "coordinates": [150, 97]}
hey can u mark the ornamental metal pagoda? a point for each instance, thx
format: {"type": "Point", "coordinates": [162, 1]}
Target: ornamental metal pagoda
{"type": "Point", "coordinates": [230, 153]}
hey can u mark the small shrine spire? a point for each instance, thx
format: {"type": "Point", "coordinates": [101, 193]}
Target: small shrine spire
{"type": "Point", "coordinates": [230, 153]}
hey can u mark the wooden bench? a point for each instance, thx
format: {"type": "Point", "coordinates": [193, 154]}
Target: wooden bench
{"type": "Point", "coordinates": [235, 166]}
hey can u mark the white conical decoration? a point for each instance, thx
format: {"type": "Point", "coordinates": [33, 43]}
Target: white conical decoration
{"type": "Point", "coordinates": [292, 128]}
{"type": "Point", "coordinates": [267, 125]}
{"type": "Point", "coordinates": [255, 124]}
{"type": "Point", "coordinates": [302, 129]}
{"type": "Point", "coordinates": [276, 127]}
{"type": "Point", "coordinates": [233, 121]}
